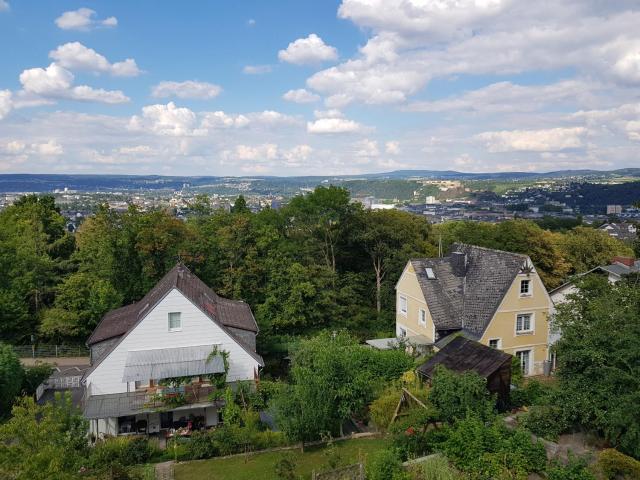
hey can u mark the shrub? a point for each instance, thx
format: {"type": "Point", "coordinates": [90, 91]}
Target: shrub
{"type": "Point", "coordinates": [492, 451]}
{"type": "Point", "coordinates": [385, 465]}
{"type": "Point", "coordinates": [545, 421]}
{"type": "Point", "coordinates": [285, 467]}
{"type": "Point", "coordinates": [575, 469]}
{"type": "Point", "coordinates": [532, 393]}
{"type": "Point", "coordinates": [456, 394]}
{"type": "Point", "coordinates": [201, 445]}
{"type": "Point", "coordinates": [34, 376]}
{"type": "Point", "coordinates": [124, 451]}
{"type": "Point", "coordinates": [382, 409]}
{"type": "Point", "coordinates": [435, 468]}
{"type": "Point", "coordinates": [614, 464]}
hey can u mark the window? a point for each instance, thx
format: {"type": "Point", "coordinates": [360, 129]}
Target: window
{"type": "Point", "coordinates": [524, 323]}
{"type": "Point", "coordinates": [430, 273]}
{"type": "Point", "coordinates": [175, 322]}
{"type": "Point", "coordinates": [494, 343]}
{"type": "Point", "coordinates": [422, 317]}
{"type": "Point", "coordinates": [525, 362]}
{"type": "Point", "coordinates": [525, 288]}
{"type": "Point", "coordinates": [403, 305]}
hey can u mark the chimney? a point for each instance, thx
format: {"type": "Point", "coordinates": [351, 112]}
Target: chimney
{"type": "Point", "coordinates": [628, 261]}
{"type": "Point", "coordinates": [459, 263]}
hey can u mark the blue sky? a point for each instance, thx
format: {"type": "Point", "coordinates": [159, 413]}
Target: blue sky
{"type": "Point", "coordinates": [308, 87]}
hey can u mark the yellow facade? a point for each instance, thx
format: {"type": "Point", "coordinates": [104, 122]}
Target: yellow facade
{"type": "Point", "coordinates": [501, 328]}
{"type": "Point", "coordinates": [409, 288]}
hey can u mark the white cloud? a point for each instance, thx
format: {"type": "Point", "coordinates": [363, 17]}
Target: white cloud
{"type": "Point", "coordinates": [266, 157]}
{"type": "Point", "coordinates": [187, 89]}
{"type": "Point", "coordinates": [75, 56]}
{"type": "Point", "coordinates": [308, 50]}
{"type": "Point", "coordinates": [57, 83]}
{"type": "Point", "coordinates": [220, 119]}
{"type": "Point", "coordinates": [166, 120]}
{"type": "Point", "coordinates": [633, 130]}
{"type": "Point", "coordinates": [366, 148]}
{"type": "Point", "coordinates": [392, 147]}
{"type": "Point", "coordinates": [256, 69]}
{"type": "Point", "coordinates": [50, 148]}
{"type": "Point", "coordinates": [333, 125]}
{"type": "Point", "coordinates": [83, 19]}
{"type": "Point", "coordinates": [251, 22]}
{"type": "Point", "coordinates": [300, 96]}
{"type": "Point", "coordinates": [548, 140]}
{"type": "Point", "coordinates": [6, 103]}
{"type": "Point", "coordinates": [331, 113]}
{"type": "Point", "coordinates": [4, 6]}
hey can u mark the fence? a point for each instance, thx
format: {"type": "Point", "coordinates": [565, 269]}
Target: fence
{"type": "Point", "coordinates": [51, 351]}
{"type": "Point", "coordinates": [350, 472]}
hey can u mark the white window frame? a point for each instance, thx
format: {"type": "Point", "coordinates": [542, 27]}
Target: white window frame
{"type": "Point", "coordinates": [529, 293]}
{"type": "Point", "coordinates": [402, 332]}
{"type": "Point", "coordinates": [403, 299]}
{"type": "Point", "coordinates": [530, 369]}
{"type": "Point", "coordinates": [499, 345]}
{"type": "Point", "coordinates": [532, 324]}
{"type": "Point", "coordinates": [422, 313]}
{"type": "Point", "coordinates": [174, 329]}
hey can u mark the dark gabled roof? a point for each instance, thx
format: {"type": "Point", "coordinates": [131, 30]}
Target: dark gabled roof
{"type": "Point", "coordinates": [230, 313]}
{"type": "Point", "coordinates": [462, 355]}
{"type": "Point", "coordinates": [466, 295]}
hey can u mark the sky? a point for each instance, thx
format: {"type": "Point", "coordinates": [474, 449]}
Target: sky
{"type": "Point", "coordinates": [326, 87]}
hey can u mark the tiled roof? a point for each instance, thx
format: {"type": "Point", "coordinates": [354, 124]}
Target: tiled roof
{"type": "Point", "coordinates": [469, 285]}
{"type": "Point", "coordinates": [462, 355]}
{"type": "Point", "coordinates": [230, 313]}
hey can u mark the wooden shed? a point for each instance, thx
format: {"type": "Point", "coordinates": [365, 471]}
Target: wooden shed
{"type": "Point", "coordinates": [463, 354]}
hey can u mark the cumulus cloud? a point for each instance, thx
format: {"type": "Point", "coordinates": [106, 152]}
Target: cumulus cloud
{"type": "Point", "coordinates": [310, 50]}
{"type": "Point", "coordinates": [548, 140]}
{"type": "Point", "coordinates": [265, 157]}
{"type": "Point", "coordinates": [4, 6]}
{"type": "Point", "coordinates": [6, 103]}
{"type": "Point", "coordinates": [187, 89]}
{"type": "Point", "coordinates": [333, 125]}
{"type": "Point", "coordinates": [83, 19]}
{"type": "Point", "coordinates": [166, 120]}
{"type": "Point", "coordinates": [301, 96]}
{"type": "Point", "coordinates": [57, 83]}
{"type": "Point", "coordinates": [256, 69]}
{"type": "Point", "coordinates": [392, 147]}
{"type": "Point", "coordinates": [366, 148]}
{"type": "Point", "coordinates": [50, 148]}
{"type": "Point", "coordinates": [75, 56]}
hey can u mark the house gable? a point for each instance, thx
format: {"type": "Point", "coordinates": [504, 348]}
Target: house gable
{"type": "Point", "coordinates": [409, 287]}
{"type": "Point", "coordinates": [152, 332]}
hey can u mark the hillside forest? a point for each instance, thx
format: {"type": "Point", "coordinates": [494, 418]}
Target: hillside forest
{"type": "Point", "coordinates": [321, 262]}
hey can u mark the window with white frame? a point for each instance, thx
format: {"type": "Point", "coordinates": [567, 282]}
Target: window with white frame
{"type": "Point", "coordinates": [524, 357]}
{"type": "Point", "coordinates": [494, 343]}
{"type": "Point", "coordinates": [524, 323]}
{"type": "Point", "coordinates": [402, 305]}
{"type": "Point", "coordinates": [422, 317]}
{"type": "Point", "coordinates": [525, 287]}
{"type": "Point", "coordinates": [175, 321]}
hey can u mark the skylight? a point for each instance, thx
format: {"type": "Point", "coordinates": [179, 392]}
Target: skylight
{"type": "Point", "coordinates": [430, 273]}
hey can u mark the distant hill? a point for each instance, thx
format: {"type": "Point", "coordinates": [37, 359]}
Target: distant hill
{"type": "Point", "coordinates": [48, 182]}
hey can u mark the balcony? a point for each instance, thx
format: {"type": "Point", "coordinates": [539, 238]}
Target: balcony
{"type": "Point", "coordinates": [151, 399]}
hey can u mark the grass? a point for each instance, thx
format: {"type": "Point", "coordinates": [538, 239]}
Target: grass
{"type": "Point", "coordinates": [261, 465]}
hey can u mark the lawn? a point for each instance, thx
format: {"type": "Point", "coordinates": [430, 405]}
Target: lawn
{"type": "Point", "coordinates": [261, 465]}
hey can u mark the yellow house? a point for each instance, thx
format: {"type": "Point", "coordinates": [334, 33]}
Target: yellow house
{"type": "Point", "coordinates": [491, 296]}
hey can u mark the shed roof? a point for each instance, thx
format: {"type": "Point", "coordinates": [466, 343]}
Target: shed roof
{"type": "Point", "coordinates": [462, 355]}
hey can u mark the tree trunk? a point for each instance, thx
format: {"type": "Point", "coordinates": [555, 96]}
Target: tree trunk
{"type": "Point", "coordinates": [377, 266]}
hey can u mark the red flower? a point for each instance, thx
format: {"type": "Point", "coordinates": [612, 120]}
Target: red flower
{"type": "Point", "coordinates": [410, 431]}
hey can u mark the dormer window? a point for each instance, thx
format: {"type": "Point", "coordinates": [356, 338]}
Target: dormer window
{"type": "Point", "coordinates": [525, 288]}
{"type": "Point", "coordinates": [175, 322]}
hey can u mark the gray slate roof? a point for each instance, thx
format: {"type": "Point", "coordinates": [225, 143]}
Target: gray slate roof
{"type": "Point", "coordinates": [466, 296]}
{"type": "Point", "coordinates": [230, 313]}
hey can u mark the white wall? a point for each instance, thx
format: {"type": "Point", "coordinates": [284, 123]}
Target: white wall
{"type": "Point", "coordinates": [153, 332]}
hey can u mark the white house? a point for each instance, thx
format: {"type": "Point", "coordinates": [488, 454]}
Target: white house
{"type": "Point", "coordinates": [179, 329]}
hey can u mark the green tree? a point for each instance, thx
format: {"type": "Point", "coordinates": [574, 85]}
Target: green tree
{"type": "Point", "coordinates": [240, 205]}
{"type": "Point", "coordinates": [599, 360]}
{"type": "Point", "coordinates": [43, 442]}
{"type": "Point", "coordinates": [585, 248]}
{"type": "Point", "coordinates": [11, 376]}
